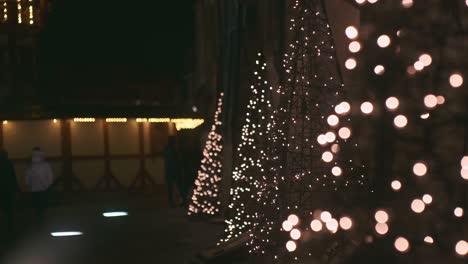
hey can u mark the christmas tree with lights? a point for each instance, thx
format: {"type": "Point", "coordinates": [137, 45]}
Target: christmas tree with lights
{"type": "Point", "coordinates": [205, 199]}
{"type": "Point", "coordinates": [251, 156]}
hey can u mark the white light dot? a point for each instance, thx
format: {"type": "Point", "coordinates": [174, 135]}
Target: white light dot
{"type": "Point", "coordinates": [407, 3]}
{"type": "Point", "coordinates": [287, 226]}
{"type": "Point", "coordinates": [367, 108]}
{"type": "Point", "coordinates": [316, 225]}
{"type": "Point", "coordinates": [419, 66]}
{"type": "Point", "coordinates": [354, 46]}
{"type": "Point", "coordinates": [381, 228]}
{"type": "Point", "coordinates": [333, 120]}
{"type": "Point", "coordinates": [350, 63]}
{"type": "Point", "coordinates": [325, 216]}
{"type": "Point", "coordinates": [351, 32]}
{"type": "Point", "coordinates": [346, 223]}
{"type": "Point", "coordinates": [330, 137]}
{"type": "Point", "coordinates": [332, 225]}
{"type": "Point", "coordinates": [464, 162]}
{"type": "Point", "coordinates": [291, 246]}
{"type": "Point", "coordinates": [420, 169]}
{"type": "Point", "coordinates": [392, 103]}
{"type": "Point", "coordinates": [345, 107]}
{"type": "Point", "coordinates": [327, 156]}
{"type": "Point", "coordinates": [363, 1]}
{"type": "Point", "coordinates": [383, 41]}
{"type": "Point", "coordinates": [396, 185]}
{"type": "Point", "coordinates": [293, 219]}
{"type": "Point", "coordinates": [295, 234]}
{"type": "Point", "coordinates": [461, 248]}
{"type": "Point", "coordinates": [425, 116]}
{"type": "Point", "coordinates": [418, 206]}
{"type": "Point", "coordinates": [344, 133]}
{"type": "Point", "coordinates": [428, 240]}
{"type": "Point", "coordinates": [402, 244]}
{"type": "Point", "coordinates": [400, 121]}
{"type": "Point", "coordinates": [426, 59]}
{"type": "Point", "coordinates": [464, 173]}
{"type": "Point", "coordinates": [427, 199]}
{"type": "Point", "coordinates": [458, 212]}
{"type": "Point", "coordinates": [322, 139]}
{"type": "Point", "coordinates": [336, 171]}
{"type": "Point", "coordinates": [381, 216]}
{"type": "Point", "coordinates": [430, 101]}
{"type": "Point", "coordinates": [379, 69]}
{"type": "Point", "coordinates": [456, 80]}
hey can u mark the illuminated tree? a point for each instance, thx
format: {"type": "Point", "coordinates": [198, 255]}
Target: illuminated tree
{"type": "Point", "coordinates": [251, 154]}
{"type": "Point", "coordinates": [205, 198]}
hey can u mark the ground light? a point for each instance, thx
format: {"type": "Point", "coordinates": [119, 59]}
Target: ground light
{"type": "Point", "coordinates": [66, 234]}
{"type": "Point", "coordinates": [115, 214]}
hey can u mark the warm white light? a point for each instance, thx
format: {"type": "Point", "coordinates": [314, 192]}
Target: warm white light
{"type": "Point", "coordinates": [464, 173]}
{"type": "Point", "coordinates": [384, 41]}
{"type": "Point", "coordinates": [350, 63]}
{"type": "Point", "coordinates": [333, 120]}
{"type": "Point", "coordinates": [316, 225]}
{"type": "Point", "coordinates": [419, 66]}
{"type": "Point", "coordinates": [291, 246]}
{"type": "Point", "coordinates": [345, 107]}
{"type": "Point", "coordinates": [461, 248]}
{"type": "Point", "coordinates": [330, 136]}
{"type": "Point", "coordinates": [295, 234]}
{"type": "Point", "coordinates": [420, 169]}
{"type": "Point", "coordinates": [115, 214]}
{"type": "Point", "coordinates": [344, 133]}
{"type": "Point", "coordinates": [346, 223]}
{"type": "Point", "coordinates": [351, 32]}
{"type": "Point", "coordinates": [392, 103]}
{"type": "Point", "coordinates": [379, 69]}
{"type": "Point", "coordinates": [354, 46]}
{"type": "Point", "coordinates": [425, 116]}
{"type": "Point", "coordinates": [186, 123]}
{"type": "Point", "coordinates": [325, 216]}
{"type": "Point", "coordinates": [440, 99]}
{"type": "Point", "coordinates": [402, 244]}
{"type": "Point", "coordinates": [287, 226]}
{"type": "Point", "coordinates": [336, 171]}
{"type": "Point", "coordinates": [381, 216]}
{"type": "Point", "coordinates": [84, 119]}
{"type": "Point", "coordinates": [396, 185]}
{"type": "Point", "coordinates": [367, 108]}
{"type": "Point", "coordinates": [458, 212]}
{"type": "Point", "coordinates": [418, 206]}
{"type": "Point", "coordinates": [430, 101]}
{"type": "Point", "coordinates": [372, 1]}
{"type": "Point", "coordinates": [66, 234]}
{"type": "Point", "coordinates": [5, 122]}
{"type": "Point", "coordinates": [407, 3]}
{"type": "Point", "coordinates": [322, 139]}
{"type": "Point", "coordinates": [293, 219]}
{"type": "Point", "coordinates": [116, 120]}
{"type": "Point", "coordinates": [464, 162]}
{"type": "Point", "coordinates": [426, 59]}
{"type": "Point", "coordinates": [427, 199]}
{"type": "Point", "coordinates": [400, 121]}
{"type": "Point", "coordinates": [55, 121]}
{"type": "Point", "coordinates": [327, 156]}
{"type": "Point", "coordinates": [335, 148]}
{"type": "Point", "coordinates": [428, 240]}
{"type": "Point", "coordinates": [456, 80]}
{"type": "Point", "coordinates": [332, 225]}
{"type": "Point", "coordinates": [381, 228]}
{"type": "Point", "coordinates": [363, 1]}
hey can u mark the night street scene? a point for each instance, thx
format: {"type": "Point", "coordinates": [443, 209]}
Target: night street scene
{"type": "Point", "coordinates": [233, 132]}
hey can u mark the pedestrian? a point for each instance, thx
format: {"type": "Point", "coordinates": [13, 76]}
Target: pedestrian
{"type": "Point", "coordinates": [8, 189]}
{"type": "Point", "coordinates": [39, 178]}
{"type": "Point", "coordinates": [172, 170]}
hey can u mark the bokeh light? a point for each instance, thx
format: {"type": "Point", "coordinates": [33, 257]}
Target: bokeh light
{"type": "Point", "coordinates": [295, 234]}
{"type": "Point", "coordinates": [396, 185]}
{"type": "Point", "coordinates": [332, 225]}
{"type": "Point", "coordinates": [287, 226]}
{"type": "Point", "coordinates": [350, 63]}
{"type": "Point", "coordinates": [327, 156]}
{"type": "Point", "coordinates": [367, 108]}
{"type": "Point", "coordinates": [407, 3]}
{"type": "Point", "coordinates": [420, 169]}
{"type": "Point", "coordinates": [325, 216]}
{"type": "Point", "coordinates": [291, 246]}
{"type": "Point", "coordinates": [402, 244]}
{"type": "Point", "coordinates": [400, 121]}
{"type": "Point", "coordinates": [351, 32]}
{"type": "Point", "coordinates": [383, 41]}
{"type": "Point", "coordinates": [316, 225]}
{"type": "Point", "coordinates": [354, 46]}
{"type": "Point", "coordinates": [344, 133]}
{"type": "Point", "coordinates": [430, 101]}
{"type": "Point", "coordinates": [293, 219]}
{"type": "Point", "coordinates": [427, 199]}
{"type": "Point", "coordinates": [392, 103]}
{"type": "Point", "coordinates": [379, 69]}
{"type": "Point", "coordinates": [333, 120]}
{"type": "Point", "coordinates": [428, 240]}
{"type": "Point", "coordinates": [426, 59]}
{"type": "Point", "coordinates": [461, 248]}
{"type": "Point", "coordinates": [381, 216]}
{"type": "Point", "coordinates": [458, 212]}
{"type": "Point", "coordinates": [418, 206]}
{"type": "Point", "coordinates": [346, 223]}
{"type": "Point", "coordinates": [381, 228]}
{"type": "Point", "coordinates": [456, 80]}
{"type": "Point", "coordinates": [336, 171]}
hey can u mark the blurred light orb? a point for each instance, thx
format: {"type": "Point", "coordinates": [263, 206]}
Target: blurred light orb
{"type": "Point", "coordinates": [392, 103]}
{"type": "Point", "coordinates": [295, 234]}
{"type": "Point", "coordinates": [332, 225]}
{"type": "Point", "coordinates": [402, 244]}
{"type": "Point", "coordinates": [418, 206]}
{"type": "Point", "coordinates": [461, 248]}
{"type": "Point", "coordinates": [287, 226]}
{"type": "Point", "coordinates": [458, 212]}
{"type": "Point", "coordinates": [351, 32]}
{"type": "Point", "coordinates": [333, 120]}
{"type": "Point", "coordinates": [330, 136]}
{"type": "Point", "coordinates": [428, 240]}
{"type": "Point", "coordinates": [346, 223]}
{"type": "Point", "coordinates": [427, 199]}
{"type": "Point", "coordinates": [354, 46]}
{"type": "Point", "coordinates": [327, 156]}
{"type": "Point", "coordinates": [291, 246]}
{"type": "Point", "coordinates": [372, 1]}
{"type": "Point", "coordinates": [456, 80]}
{"type": "Point", "coordinates": [464, 162]}
{"type": "Point", "coordinates": [381, 216]}
{"type": "Point", "coordinates": [440, 99]}
{"type": "Point", "coordinates": [316, 225]}
{"type": "Point", "coordinates": [325, 216]}
{"type": "Point", "coordinates": [367, 108]}
{"type": "Point", "coordinates": [336, 171]}
{"type": "Point", "coordinates": [363, 1]}
{"type": "Point", "coordinates": [335, 148]}
{"type": "Point", "coordinates": [420, 169]}
{"type": "Point", "coordinates": [419, 66]}
{"type": "Point", "coordinates": [425, 116]}
{"type": "Point", "coordinates": [379, 69]}
{"type": "Point", "coordinates": [464, 173]}
{"type": "Point", "coordinates": [426, 59]}
{"type": "Point", "coordinates": [350, 64]}
{"type": "Point", "coordinates": [430, 101]}
{"type": "Point", "coordinates": [344, 133]}
{"type": "Point", "coordinates": [396, 185]}
{"type": "Point", "coordinates": [383, 41]}
{"type": "Point", "coordinates": [293, 219]}
{"type": "Point", "coordinates": [322, 139]}
{"type": "Point", "coordinates": [411, 70]}
{"type": "Point", "coordinates": [381, 228]}
{"type": "Point", "coordinates": [400, 121]}
{"type": "Point", "coordinates": [407, 3]}
{"type": "Point", "coordinates": [345, 107]}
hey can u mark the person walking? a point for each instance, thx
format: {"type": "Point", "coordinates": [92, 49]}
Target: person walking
{"type": "Point", "coordinates": [39, 178]}
{"type": "Point", "coordinates": [8, 189]}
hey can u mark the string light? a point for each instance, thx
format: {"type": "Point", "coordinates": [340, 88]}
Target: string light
{"type": "Point", "coordinates": [379, 70]}
{"type": "Point", "coordinates": [316, 225]}
{"type": "Point", "coordinates": [428, 240]}
{"type": "Point", "coordinates": [392, 103]}
{"type": "Point", "coordinates": [420, 169]}
{"type": "Point", "coordinates": [186, 123]}
{"type": "Point", "coordinates": [367, 108]}
{"type": "Point", "coordinates": [427, 199]}
{"type": "Point", "coordinates": [430, 101]}
{"type": "Point", "coordinates": [396, 185]}
{"type": "Point", "coordinates": [381, 216]}
{"type": "Point", "coordinates": [381, 228]}
{"type": "Point", "coordinates": [350, 64]}
{"type": "Point", "coordinates": [426, 59]}
{"type": "Point", "coordinates": [157, 120]}
{"type": "Point", "coordinates": [351, 32]}
{"type": "Point", "coordinates": [407, 3]}
{"type": "Point", "coordinates": [456, 80]}
{"type": "Point", "coordinates": [383, 41]}
{"type": "Point", "coordinates": [458, 212]}
{"type": "Point", "coordinates": [346, 223]}
{"type": "Point", "coordinates": [402, 244]}
{"type": "Point", "coordinates": [417, 206]}
{"type": "Point", "coordinates": [84, 119]}
{"type": "Point", "coordinates": [354, 46]}
{"type": "Point", "coordinates": [461, 248]}
{"type": "Point", "coordinates": [400, 121]}
{"type": "Point", "coordinates": [116, 120]}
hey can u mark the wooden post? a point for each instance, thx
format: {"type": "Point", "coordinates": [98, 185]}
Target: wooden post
{"type": "Point", "coordinates": [108, 178]}
{"type": "Point", "coordinates": [143, 175]}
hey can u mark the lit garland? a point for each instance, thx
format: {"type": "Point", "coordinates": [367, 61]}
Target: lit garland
{"type": "Point", "coordinates": [205, 198]}
{"type": "Point", "coordinates": [251, 153]}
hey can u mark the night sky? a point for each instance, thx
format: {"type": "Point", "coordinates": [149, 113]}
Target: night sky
{"type": "Point", "coordinates": [111, 45]}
